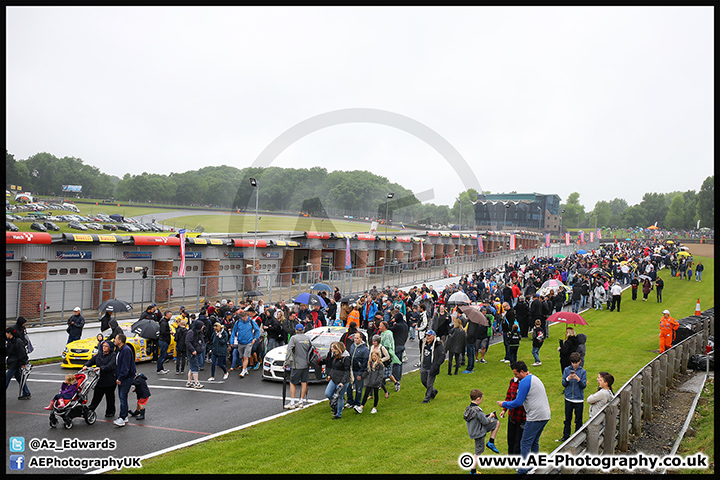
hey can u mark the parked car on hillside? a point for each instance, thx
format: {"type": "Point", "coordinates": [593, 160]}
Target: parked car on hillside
{"type": "Point", "coordinates": [51, 226]}
{"type": "Point", "coordinates": [77, 225]}
{"type": "Point", "coordinates": [11, 227]}
{"type": "Point", "coordinates": [110, 226]}
{"type": "Point", "coordinates": [94, 226]}
{"type": "Point", "coordinates": [38, 226]}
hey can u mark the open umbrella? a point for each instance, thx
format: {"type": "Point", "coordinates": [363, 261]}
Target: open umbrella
{"type": "Point", "coordinates": [310, 299]}
{"type": "Point", "coordinates": [321, 286]}
{"type": "Point", "coordinates": [652, 227]}
{"type": "Point", "coordinates": [254, 293]}
{"type": "Point", "coordinates": [643, 277]}
{"type": "Point", "coordinates": [115, 305]}
{"type": "Point", "coordinates": [582, 271]}
{"type": "Point", "coordinates": [474, 314]}
{"type": "Point", "coordinates": [567, 317]}
{"type": "Point", "coordinates": [581, 252]}
{"type": "Point", "coordinates": [349, 298]}
{"type": "Point", "coordinates": [683, 254]}
{"type": "Point", "coordinates": [670, 241]}
{"type": "Point", "coordinates": [559, 255]}
{"type": "Point", "coordinates": [458, 298]}
{"type": "Point", "coordinates": [552, 283]}
{"type": "Point", "coordinates": [146, 328]}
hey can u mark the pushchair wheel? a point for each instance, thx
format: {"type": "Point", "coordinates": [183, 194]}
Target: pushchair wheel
{"type": "Point", "coordinates": [90, 417]}
{"type": "Point", "coordinates": [68, 424]}
{"type": "Point", "coordinates": [53, 421]}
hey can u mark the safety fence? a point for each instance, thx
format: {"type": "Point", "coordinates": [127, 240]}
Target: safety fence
{"type": "Point", "coordinates": [53, 300]}
{"type": "Point", "coordinates": [610, 431]}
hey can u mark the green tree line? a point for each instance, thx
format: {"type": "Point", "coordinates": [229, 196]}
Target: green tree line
{"type": "Point", "coordinates": [317, 191]}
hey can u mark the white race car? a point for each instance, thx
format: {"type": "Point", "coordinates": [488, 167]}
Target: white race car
{"type": "Point", "coordinates": [320, 337]}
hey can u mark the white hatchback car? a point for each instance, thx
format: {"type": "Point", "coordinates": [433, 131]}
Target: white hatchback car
{"type": "Point", "coordinates": [320, 337]}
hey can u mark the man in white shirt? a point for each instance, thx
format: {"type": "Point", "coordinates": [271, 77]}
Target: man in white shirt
{"type": "Point", "coordinates": [616, 292]}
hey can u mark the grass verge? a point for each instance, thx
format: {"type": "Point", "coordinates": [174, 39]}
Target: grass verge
{"type": "Point", "coordinates": [428, 438]}
{"type": "Point", "coordinates": [703, 423]}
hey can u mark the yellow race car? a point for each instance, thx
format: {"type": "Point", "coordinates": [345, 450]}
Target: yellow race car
{"type": "Point", "coordinates": [77, 353]}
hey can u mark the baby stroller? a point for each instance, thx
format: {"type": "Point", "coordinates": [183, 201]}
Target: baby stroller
{"type": "Point", "coordinates": [78, 405]}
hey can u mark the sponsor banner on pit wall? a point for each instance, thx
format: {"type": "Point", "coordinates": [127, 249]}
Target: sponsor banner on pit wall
{"type": "Point", "coordinates": [73, 255]}
{"type": "Point", "coordinates": [234, 254]}
{"type": "Point", "coordinates": [191, 254]}
{"type": "Point", "coordinates": [271, 254]}
{"type": "Point", "coordinates": [9, 255]}
{"type": "Point", "coordinates": [137, 255]}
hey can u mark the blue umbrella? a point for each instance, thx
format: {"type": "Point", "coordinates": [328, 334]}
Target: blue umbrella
{"type": "Point", "coordinates": [581, 252]}
{"type": "Point", "coordinates": [310, 299]}
{"type": "Point", "coordinates": [321, 286]}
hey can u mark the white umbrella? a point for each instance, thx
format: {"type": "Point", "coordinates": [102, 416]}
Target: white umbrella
{"type": "Point", "coordinates": [458, 298]}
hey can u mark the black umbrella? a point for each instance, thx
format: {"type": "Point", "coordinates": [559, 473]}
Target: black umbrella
{"type": "Point", "coordinates": [115, 305]}
{"type": "Point", "coordinates": [582, 271]}
{"type": "Point", "coordinates": [254, 293]}
{"type": "Point", "coordinates": [349, 299]}
{"type": "Point", "coordinates": [146, 328]}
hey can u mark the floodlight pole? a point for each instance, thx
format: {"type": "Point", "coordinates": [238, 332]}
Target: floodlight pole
{"type": "Point", "coordinates": [255, 184]}
{"type": "Point", "coordinates": [387, 197]}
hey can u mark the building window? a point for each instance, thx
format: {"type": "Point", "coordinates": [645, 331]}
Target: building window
{"type": "Point", "coordinates": [73, 271]}
{"type": "Point", "coordinates": [53, 271]}
{"type": "Point", "coordinates": [128, 269]}
{"type": "Point", "coordinates": [8, 272]}
{"type": "Point", "coordinates": [120, 270]}
{"type": "Point", "coordinates": [229, 267]}
{"type": "Point", "coordinates": [175, 269]}
{"type": "Point", "coordinates": [195, 268]}
{"type": "Point", "coordinates": [63, 271]}
{"type": "Point", "coordinates": [188, 268]}
{"type": "Point", "coordinates": [83, 271]}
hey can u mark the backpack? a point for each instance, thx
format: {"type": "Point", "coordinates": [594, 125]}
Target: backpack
{"type": "Point", "coordinates": [313, 356]}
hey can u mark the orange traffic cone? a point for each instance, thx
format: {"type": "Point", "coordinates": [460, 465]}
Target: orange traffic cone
{"type": "Point", "coordinates": [697, 308]}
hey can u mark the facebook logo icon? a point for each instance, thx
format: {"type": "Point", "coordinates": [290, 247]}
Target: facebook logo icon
{"type": "Point", "coordinates": [17, 462]}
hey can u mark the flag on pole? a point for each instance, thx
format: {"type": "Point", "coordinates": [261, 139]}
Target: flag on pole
{"type": "Point", "coordinates": [547, 239]}
{"type": "Point", "coordinates": [181, 271]}
{"type": "Point", "coordinates": [698, 225]}
{"type": "Point", "coordinates": [582, 237]}
{"type": "Point", "coordinates": [403, 226]}
{"type": "Point", "coordinates": [512, 241]}
{"type": "Point", "coordinates": [591, 237]}
{"type": "Point", "coordinates": [480, 244]}
{"type": "Point", "coordinates": [599, 236]}
{"type": "Point", "coordinates": [567, 238]}
{"type": "Point", "coordinates": [348, 261]}
{"type": "Point", "coordinates": [422, 251]}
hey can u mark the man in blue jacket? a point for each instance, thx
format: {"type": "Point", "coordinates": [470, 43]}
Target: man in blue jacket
{"type": "Point", "coordinates": [245, 333]}
{"type": "Point", "coordinates": [359, 354]}
{"type": "Point", "coordinates": [574, 380]}
{"type": "Point", "coordinates": [125, 374]}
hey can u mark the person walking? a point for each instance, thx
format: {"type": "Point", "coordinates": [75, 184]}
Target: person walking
{"type": "Point", "coordinates": [513, 342]}
{"type": "Point", "coordinates": [422, 328]}
{"type": "Point", "coordinates": [532, 396]}
{"type": "Point", "coordinates": [538, 337]}
{"type": "Point", "coordinates": [219, 349]}
{"type": "Point", "coordinates": [180, 347]}
{"type": "Point", "coordinates": [634, 284]}
{"type": "Point", "coordinates": [668, 329]}
{"type": "Point", "coordinates": [124, 376]}
{"type": "Point", "coordinates": [244, 335]}
{"type": "Point", "coordinates": [359, 356]}
{"type": "Point", "coordinates": [17, 361]}
{"type": "Point", "coordinates": [388, 341]}
{"type": "Point", "coordinates": [567, 347]}
{"type": "Point", "coordinates": [75, 323]}
{"type": "Point", "coordinates": [659, 285]}
{"type": "Point", "coordinates": [433, 356]}
{"type": "Point", "coordinates": [337, 364]}
{"type": "Point", "coordinates": [373, 379]}
{"type": "Point", "coordinates": [106, 366]}
{"type": "Point", "coordinates": [698, 272]}
{"type": "Point", "coordinates": [296, 359]}
{"type": "Point", "coordinates": [576, 297]}
{"type": "Point", "coordinates": [456, 344]}
{"type": "Point", "coordinates": [647, 286]}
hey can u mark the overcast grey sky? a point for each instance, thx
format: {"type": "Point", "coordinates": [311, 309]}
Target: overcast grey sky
{"type": "Point", "coordinates": [609, 102]}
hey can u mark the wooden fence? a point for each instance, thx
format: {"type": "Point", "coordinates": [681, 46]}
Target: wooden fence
{"type": "Point", "coordinates": [609, 431]}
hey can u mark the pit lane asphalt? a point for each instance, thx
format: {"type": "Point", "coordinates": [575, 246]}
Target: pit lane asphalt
{"type": "Point", "coordinates": [175, 414]}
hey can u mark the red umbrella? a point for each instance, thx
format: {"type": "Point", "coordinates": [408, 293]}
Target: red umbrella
{"type": "Point", "coordinates": [567, 317]}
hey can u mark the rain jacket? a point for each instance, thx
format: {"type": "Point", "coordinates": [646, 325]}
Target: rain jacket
{"type": "Point", "coordinates": [244, 332]}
